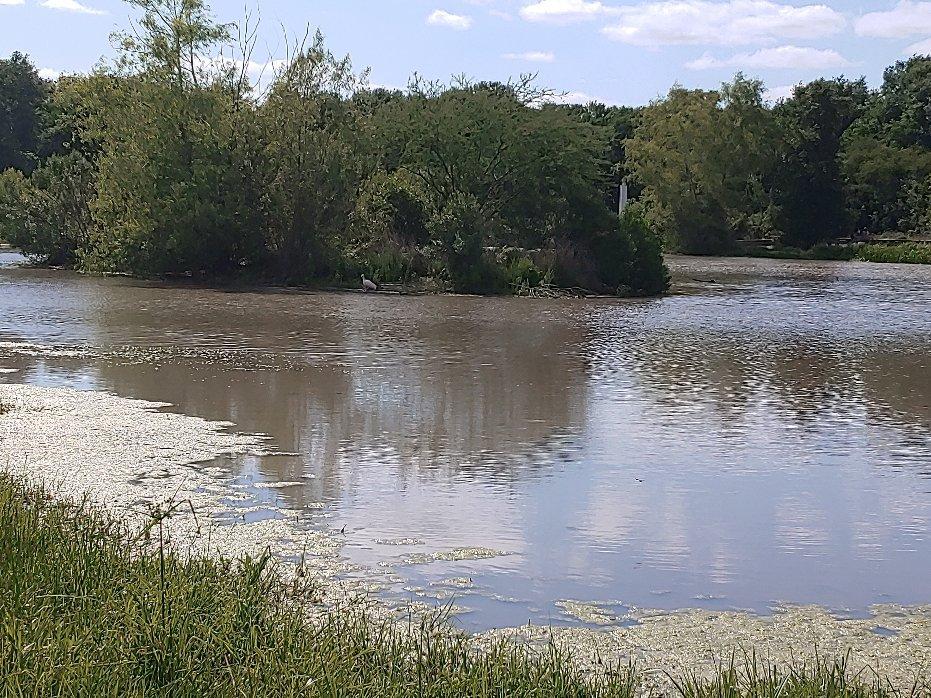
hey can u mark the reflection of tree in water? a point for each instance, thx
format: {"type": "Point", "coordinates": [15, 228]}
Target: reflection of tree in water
{"type": "Point", "coordinates": [804, 379]}
{"type": "Point", "coordinates": [423, 388]}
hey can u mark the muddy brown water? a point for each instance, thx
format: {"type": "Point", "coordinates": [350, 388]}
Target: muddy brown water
{"type": "Point", "coordinates": [763, 435]}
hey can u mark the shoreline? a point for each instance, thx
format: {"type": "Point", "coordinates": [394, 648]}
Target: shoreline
{"type": "Point", "coordinates": [132, 457]}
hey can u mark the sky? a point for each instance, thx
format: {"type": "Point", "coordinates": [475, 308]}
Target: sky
{"type": "Point", "coordinates": [617, 52]}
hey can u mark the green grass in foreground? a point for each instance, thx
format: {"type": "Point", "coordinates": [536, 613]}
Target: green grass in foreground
{"type": "Point", "coordinates": [84, 612]}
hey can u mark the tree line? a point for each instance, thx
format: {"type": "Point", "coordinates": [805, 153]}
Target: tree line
{"type": "Point", "coordinates": [834, 161]}
{"type": "Point", "coordinates": [169, 160]}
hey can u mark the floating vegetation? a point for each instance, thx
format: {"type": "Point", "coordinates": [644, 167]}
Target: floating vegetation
{"type": "Point", "coordinates": [133, 458]}
{"type": "Point", "coordinates": [591, 613]}
{"type": "Point", "coordinates": [455, 583]}
{"type": "Point", "coordinates": [699, 643]}
{"type": "Point", "coordinates": [454, 555]}
{"type": "Point", "coordinates": [399, 541]}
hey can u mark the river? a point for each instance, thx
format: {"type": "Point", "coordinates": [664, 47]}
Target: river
{"type": "Point", "coordinates": [762, 435]}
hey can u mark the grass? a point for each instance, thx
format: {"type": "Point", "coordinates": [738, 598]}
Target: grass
{"type": "Point", "coordinates": [86, 609]}
{"type": "Point", "coordinates": [5, 408]}
{"type": "Point", "coordinates": [901, 253]}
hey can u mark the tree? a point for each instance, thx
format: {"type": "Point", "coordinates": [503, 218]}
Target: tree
{"type": "Point", "coordinates": [810, 187]}
{"type": "Point", "coordinates": [313, 160]}
{"type": "Point", "coordinates": [703, 158]}
{"type": "Point", "coordinates": [47, 215]}
{"type": "Point", "coordinates": [887, 153]}
{"type": "Point", "coordinates": [22, 94]}
{"type": "Point", "coordinates": [534, 172]}
{"type": "Point", "coordinates": [619, 124]}
{"type": "Point", "coordinates": [176, 175]}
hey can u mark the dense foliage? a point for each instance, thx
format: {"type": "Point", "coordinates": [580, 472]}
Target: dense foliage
{"type": "Point", "coordinates": [171, 161]}
{"type": "Point", "coordinates": [833, 162]}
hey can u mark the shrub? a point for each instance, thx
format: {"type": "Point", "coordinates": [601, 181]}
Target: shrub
{"type": "Point", "coordinates": [458, 230]}
{"type": "Point", "coordinates": [629, 257]}
{"type": "Point", "coordinates": [521, 272]}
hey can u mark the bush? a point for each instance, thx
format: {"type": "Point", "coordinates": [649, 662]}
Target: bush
{"type": "Point", "coordinates": [571, 265]}
{"type": "Point", "coordinates": [458, 230]}
{"type": "Point", "coordinates": [905, 253]}
{"type": "Point", "coordinates": [521, 272]}
{"type": "Point", "coordinates": [630, 257]}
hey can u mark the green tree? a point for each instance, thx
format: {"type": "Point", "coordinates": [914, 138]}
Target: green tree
{"type": "Point", "coordinates": [887, 153]}
{"type": "Point", "coordinates": [703, 158]}
{"type": "Point", "coordinates": [22, 94]}
{"type": "Point", "coordinates": [459, 228]}
{"type": "Point", "coordinates": [535, 173]}
{"type": "Point", "coordinates": [619, 124]}
{"type": "Point", "coordinates": [175, 178]}
{"type": "Point", "coordinates": [810, 187]}
{"type": "Point", "coordinates": [47, 215]}
{"type": "Point", "coordinates": [314, 160]}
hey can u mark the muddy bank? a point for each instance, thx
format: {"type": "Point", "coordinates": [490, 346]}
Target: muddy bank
{"type": "Point", "coordinates": [132, 457]}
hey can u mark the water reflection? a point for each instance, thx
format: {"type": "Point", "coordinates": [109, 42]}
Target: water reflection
{"type": "Point", "coordinates": [762, 435]}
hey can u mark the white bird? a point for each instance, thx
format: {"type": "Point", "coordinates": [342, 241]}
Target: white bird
{"type": "Point", "coordinates": [368, 285]}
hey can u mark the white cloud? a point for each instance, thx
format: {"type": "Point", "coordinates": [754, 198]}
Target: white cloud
{"type": "Point", "coordinates": [905, 19]}
{"type": "Point", "coordinates": [922, 47]}
{"type": "Point", "coordinates": [574, 97]}
{"type": "Point", "coordinates": [781, 57]}
{"type": "Point", "coordinates": [71, 6]}
{"type": "Point", "coordinates": [442, 18]}
{"type": "Point", "coordinates": [501, 15]}
{"type": "Point", "coordinates": [735, 22]}
{"type": "Point", "coordinates": [12, 2]}
{"type": "Point", "coordinates": [531, 56]}
{"type": "Point", "coordinates": [563, 11]}
{"type": "Point", "coordinates": [49, 73]}
{"type": "Point", "coordinates": [774, 94]}
{"type": "Point", "coordinates": [256, 68]}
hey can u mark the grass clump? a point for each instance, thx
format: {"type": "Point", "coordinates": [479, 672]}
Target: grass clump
{"type": "Point", "coordinates": [5, 408]}
{"type": "Point", "coordinates": [86, 609]}
{"type": "Point", "coordinates": [823, 678]}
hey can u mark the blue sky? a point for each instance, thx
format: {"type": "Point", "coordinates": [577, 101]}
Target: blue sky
{"type": "Point", "coordinates": [619, 52]}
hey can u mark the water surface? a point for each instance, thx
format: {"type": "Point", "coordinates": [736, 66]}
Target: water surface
{"type": "Point", "coordinates": [761, 436]}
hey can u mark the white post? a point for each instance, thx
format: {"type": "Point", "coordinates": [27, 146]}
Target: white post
{"type": "Point", "coordinates": [621, 198]}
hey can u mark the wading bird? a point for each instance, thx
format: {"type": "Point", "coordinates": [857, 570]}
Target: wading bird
{"type": "Point", "coordinates": [368, 285]}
